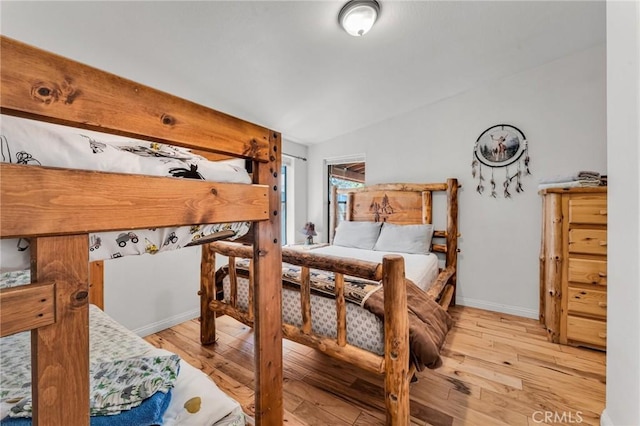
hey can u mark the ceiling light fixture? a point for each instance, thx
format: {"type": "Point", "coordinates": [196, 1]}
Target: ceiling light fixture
{"type": "Point", "coordinates": [358, 16]}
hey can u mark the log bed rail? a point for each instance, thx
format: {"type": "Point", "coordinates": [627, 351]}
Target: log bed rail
{"type": "Point", "coordinates": [58, 208]}
{"type": "Point", "coordinates": [394, 364]}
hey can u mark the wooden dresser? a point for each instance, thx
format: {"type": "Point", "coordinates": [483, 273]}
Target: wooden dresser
{"type": "Point", "coordinates": [573, 266]}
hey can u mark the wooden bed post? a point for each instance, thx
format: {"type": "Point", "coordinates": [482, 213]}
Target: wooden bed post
{"type": "Point", "coordinates": [207, 294]}
{"type": "Point", "coordinates": [427, 207]}
{"type": "Point", "coordinates": [267, 257]}
{"type": "Point", "coordinates": [452, 233]}
{"type": "Point", "coordinates": [60, 351]}
{"type": "Point", "coordinates": [396, 332]}
{"type": "Point", "coordinates": [348, 215]}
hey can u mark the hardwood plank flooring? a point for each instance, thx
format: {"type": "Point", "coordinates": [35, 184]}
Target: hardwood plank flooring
{"type": "Point", "coordinates": [497, 369]}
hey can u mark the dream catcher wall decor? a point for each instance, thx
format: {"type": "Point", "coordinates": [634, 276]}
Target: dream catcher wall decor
{"type": "Point", "coordinates": [501, 146]}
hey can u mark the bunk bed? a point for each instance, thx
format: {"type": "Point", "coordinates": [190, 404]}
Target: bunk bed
{"type": "Point", "coordinates": [58, 208]}
{"type": "Point", "coordinates": [410, 314]}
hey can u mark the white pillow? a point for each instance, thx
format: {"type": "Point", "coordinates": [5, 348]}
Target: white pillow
{"type": "Point", "coordinates": [414, 239]}
{"type": "Point", "coordinates": [362, 235]}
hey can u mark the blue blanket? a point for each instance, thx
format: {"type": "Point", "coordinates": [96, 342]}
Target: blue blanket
{"type": "Point", "coordinates": [148, 413]}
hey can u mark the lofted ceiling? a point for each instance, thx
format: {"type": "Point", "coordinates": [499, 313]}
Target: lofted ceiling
{"type": "Point", "coordinates": [288, 65]}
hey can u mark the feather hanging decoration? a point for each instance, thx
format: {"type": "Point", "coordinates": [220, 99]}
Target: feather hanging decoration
{"type": "Point", "coordinates": [519, 187]}
{"type": "Point", "coordinates": [474, 162]}
{"type": "Point", "coordinates": [494, 194]}
{"type": "Point", "coordinates": [480, 187]}
{"type": "Point", "coordinates": [506, 183]}
{"type": "Point", "coordinates": [499, 147]}
{"type": "Point", "coordinates": [526, 156]}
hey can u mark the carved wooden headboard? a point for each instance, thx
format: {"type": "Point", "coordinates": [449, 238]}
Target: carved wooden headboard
{"type": "Point", "coordinates": [403, 203]}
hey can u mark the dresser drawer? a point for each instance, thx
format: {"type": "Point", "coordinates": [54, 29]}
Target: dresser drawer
{"type": "Point", "coordinates": [588, 241]}
{"type": "Point", "coordinates": [587, 330]}
{"type": "Point", "coordinates": [587, 271]}
{"type": "Point", "coordinates": [588, 210]}
{"type": "Point", "coordinates": [587, 301]}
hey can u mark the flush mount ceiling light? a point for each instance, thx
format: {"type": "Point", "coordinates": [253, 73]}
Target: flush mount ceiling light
{"type": "Point", "coordinates": [358, 16]}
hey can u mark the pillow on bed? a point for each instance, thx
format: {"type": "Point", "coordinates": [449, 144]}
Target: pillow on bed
{"type": "Point", "coordinates": [415, 239]}
{"type": "Point", "coordinates": [362, 235]}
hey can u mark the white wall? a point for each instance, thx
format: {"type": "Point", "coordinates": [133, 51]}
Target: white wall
{"type": "Point", "coordinates": [149, 293]}
{"type": "Point", "coordinates": [561, 108]}
{"type": "Point", "coordinates": [623, 317]}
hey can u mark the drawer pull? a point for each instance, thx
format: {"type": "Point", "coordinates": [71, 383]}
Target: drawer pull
{"type": "Point", "coordinates": [603, 212]}
{"type": "Point", "coordinates": [603, 243]}
{"type": "Point", "coordinates": [602, 274]}
{"type": "Point", "coordinates": [602, 304]}
{"type": "Point", "coordinates": [602, 334]}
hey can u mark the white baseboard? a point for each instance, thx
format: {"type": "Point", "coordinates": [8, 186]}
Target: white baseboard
{"type": "Point", "coordinates": [497, 307]}
{"type": "Point", "coordinates": [166, 323]}
{"type": "Point", "coordinates": [473, 303]}
{"type": "Point", "coordinates": [605, 420]}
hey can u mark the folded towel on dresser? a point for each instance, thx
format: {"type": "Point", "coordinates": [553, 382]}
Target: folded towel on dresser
{"type": "Point", "coordinates": [581, 176]}
{"type": "Point", "coordinates": [570, 184]}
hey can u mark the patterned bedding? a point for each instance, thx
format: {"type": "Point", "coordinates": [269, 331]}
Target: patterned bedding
{"type": "Point", "coordinates": [25, 141]}
{"type": "Point", "coordinates": [117, 353]}
{"type": "Point", "coordinates": [364, 329]}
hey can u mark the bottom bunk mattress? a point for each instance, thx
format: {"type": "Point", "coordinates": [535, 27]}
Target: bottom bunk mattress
{"type": "Point", "coordinates": [364, 329]}
{"type": "Point", "coordinates": [182, 394]}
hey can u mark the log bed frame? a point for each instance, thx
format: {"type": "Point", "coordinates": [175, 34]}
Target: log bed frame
{"type": "Point", "coordinates": [58, 208]}
{"type": "Point", "coordinates": [393, 203]}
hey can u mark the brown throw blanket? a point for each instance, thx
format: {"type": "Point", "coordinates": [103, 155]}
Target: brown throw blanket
{"type": "Point", "coordinates": [428, 322]}
{"type": "Point", "coordinates": [428, 325]}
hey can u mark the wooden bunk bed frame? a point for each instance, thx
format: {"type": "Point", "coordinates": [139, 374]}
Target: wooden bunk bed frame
{"type": "Point", "coordinates": [410, 204]}
{"type": "Point", "coordinates": [58, 208]}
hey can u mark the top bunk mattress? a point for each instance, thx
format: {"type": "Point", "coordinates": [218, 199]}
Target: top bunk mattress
{"type": "Point", "coordinates": [30, 142]}
{"type": "Point", "coordinates": [33, 142]}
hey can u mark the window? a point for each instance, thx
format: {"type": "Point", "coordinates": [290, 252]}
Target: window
{"type": "Point", "coordinates": [344, 175]}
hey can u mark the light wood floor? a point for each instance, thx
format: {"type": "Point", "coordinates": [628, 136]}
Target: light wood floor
{"type": "Point", "coordinates": [498, 370]}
